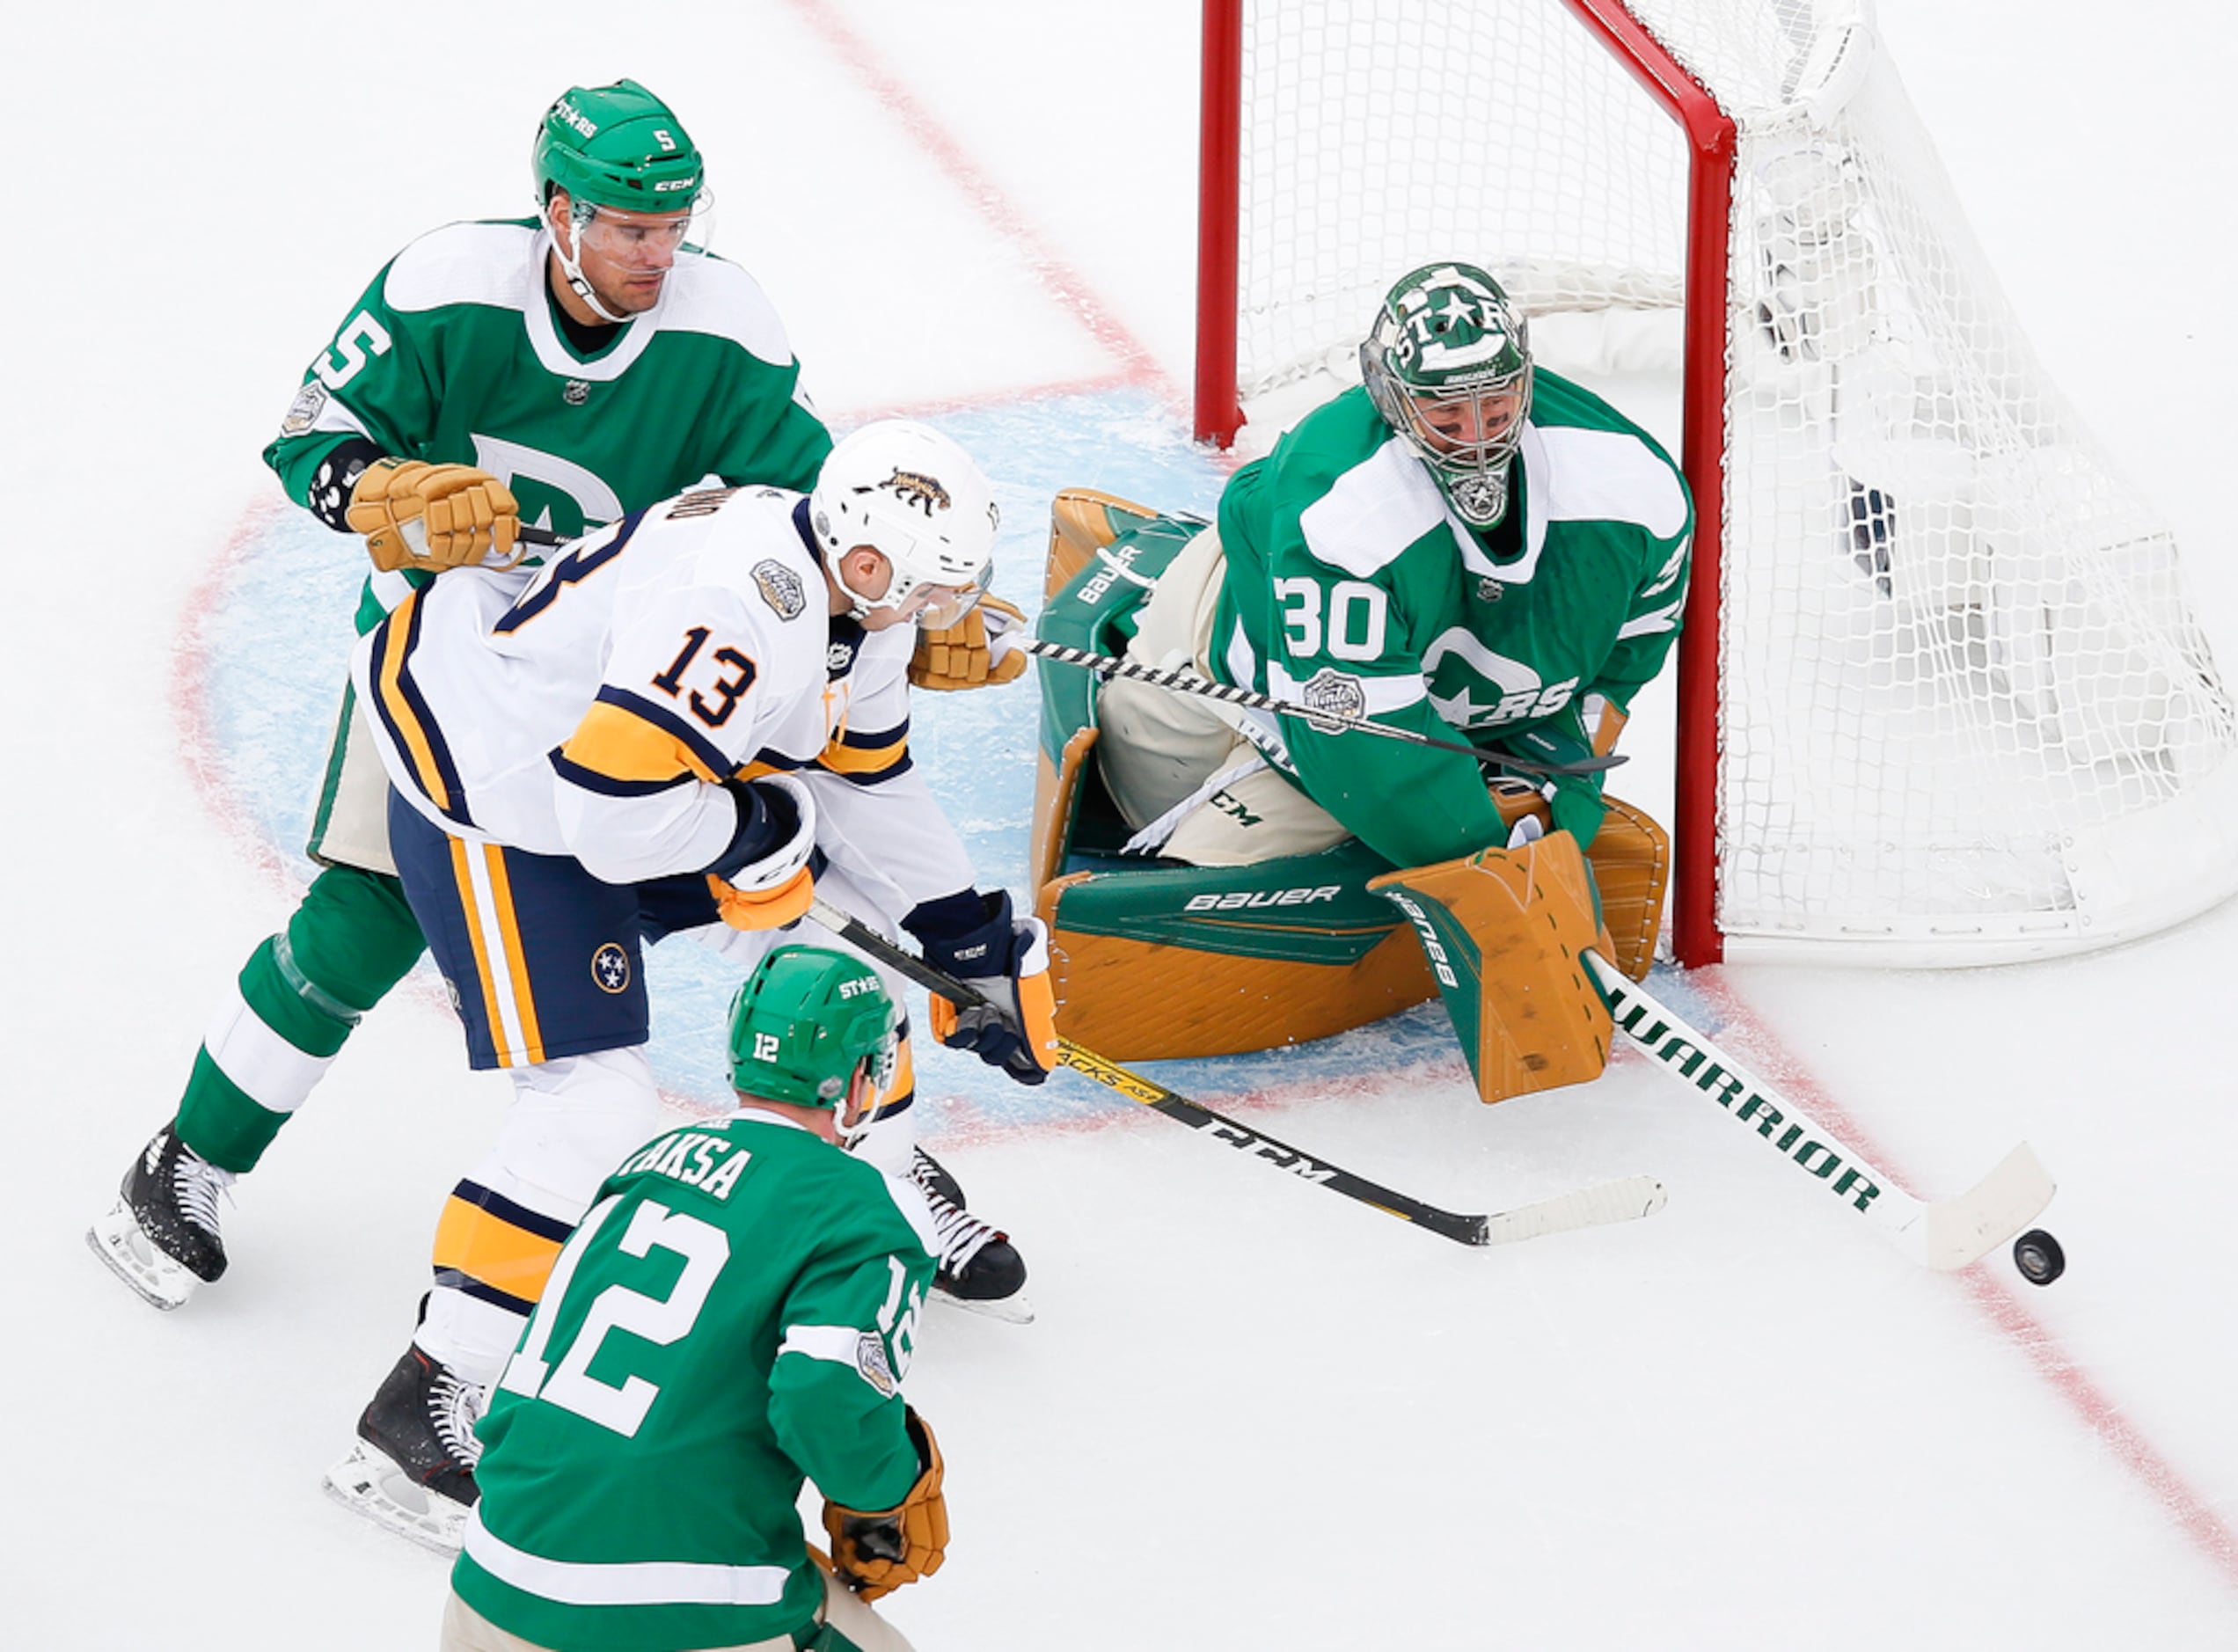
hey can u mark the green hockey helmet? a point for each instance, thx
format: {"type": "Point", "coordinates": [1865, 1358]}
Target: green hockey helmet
{"type": "Point", "coordinates": [1448, 366]}
{"type": "Point", "coordinates": [805, 1022]}
{"type": "Point", "coordinates": [619, 147]}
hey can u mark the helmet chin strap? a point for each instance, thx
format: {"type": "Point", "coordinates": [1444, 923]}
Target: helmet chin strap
{"type": "Point", "coordinates": [578, 216]}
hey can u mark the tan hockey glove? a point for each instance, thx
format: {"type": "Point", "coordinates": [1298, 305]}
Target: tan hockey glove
{"type": "Point", "coordinates": [435, 516]}
{"type": "Point", "coordinates": [972, 652]}
{"type": "Point", "coordinates": [874, 1554]}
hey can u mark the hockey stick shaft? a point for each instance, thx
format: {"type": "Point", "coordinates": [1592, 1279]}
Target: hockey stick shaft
{"type": "Point", "coordinates": [1108, 666]}
{"type": "Point", "coordinates": [1946, 1234]}
{"type": "Point", "coordinates": [1613, 1201]}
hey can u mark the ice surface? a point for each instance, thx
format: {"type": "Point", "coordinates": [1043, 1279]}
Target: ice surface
{"type": "Point", "coordinates": [1251, 1413]}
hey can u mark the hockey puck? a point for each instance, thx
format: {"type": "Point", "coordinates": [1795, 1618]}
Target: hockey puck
{"type": "Point", "coordinates": [2038, 1257]}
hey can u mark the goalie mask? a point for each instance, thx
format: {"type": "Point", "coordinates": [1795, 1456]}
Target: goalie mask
{"type": "Point", "coordinates": [1448, 366]}
{"type": "Point", "coordinates": [919, 500]}
{"type": "Point", "coordinates": [630, 171]}
{"type": "Point", "coordinates": [806, 1025]}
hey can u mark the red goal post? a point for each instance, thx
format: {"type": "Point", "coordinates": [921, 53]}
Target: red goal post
{"type": "Point", "coordinates": [1941, 696]}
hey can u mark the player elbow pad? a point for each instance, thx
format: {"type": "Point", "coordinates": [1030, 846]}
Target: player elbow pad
{"type": "Point", "coordinates": [765, 879]}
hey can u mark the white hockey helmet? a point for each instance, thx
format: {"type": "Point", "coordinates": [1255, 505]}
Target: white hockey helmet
{"type": "Point", "coordinates": [915, 497]}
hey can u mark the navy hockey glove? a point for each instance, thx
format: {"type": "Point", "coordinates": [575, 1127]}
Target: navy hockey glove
{"type": "Point", "coordinates": [976, 939]}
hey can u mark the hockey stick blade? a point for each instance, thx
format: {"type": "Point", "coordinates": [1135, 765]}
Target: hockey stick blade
{"type": "Point", "coordinates": [1625, 1199]}
{"type": "Point", "coordinates": [1945, 1234]}
{"type": "Point", "coordinates": [1614, 1202]}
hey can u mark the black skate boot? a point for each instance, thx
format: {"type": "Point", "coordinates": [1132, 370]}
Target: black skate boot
{"type": "Point", "coordinates": [979, 1267]}
{"type": "Point", "coordinates": [413, 1468]}
{"type": "Point", "coordinates": [162, 1239]}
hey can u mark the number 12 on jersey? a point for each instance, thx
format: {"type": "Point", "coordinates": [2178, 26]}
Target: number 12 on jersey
{"type": "Point", "coordinates": [704, 1248]}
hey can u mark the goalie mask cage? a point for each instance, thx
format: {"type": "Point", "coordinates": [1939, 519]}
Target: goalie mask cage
{"type": "Point", "coordinates": [1942, 696]}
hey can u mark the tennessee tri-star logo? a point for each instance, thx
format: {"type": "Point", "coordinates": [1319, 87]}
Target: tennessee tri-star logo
{"type": "Point", "coordinates": [609, 968]}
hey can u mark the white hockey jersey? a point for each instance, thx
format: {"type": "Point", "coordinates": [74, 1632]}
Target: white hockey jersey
{"type": "Point", "coordinates": [593, 712]}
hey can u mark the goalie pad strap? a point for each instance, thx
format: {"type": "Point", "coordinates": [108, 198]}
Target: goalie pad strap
{"type": "Point", "coordinates": [1505, 931]}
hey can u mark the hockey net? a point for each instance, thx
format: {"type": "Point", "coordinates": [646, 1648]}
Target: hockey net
{"type": "Point", "coordinates": [1943, 697]}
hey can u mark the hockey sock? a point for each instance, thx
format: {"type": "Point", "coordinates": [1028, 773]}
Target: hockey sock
{"type": "Point", "coordinates": [302, 991]}
{"type": "Point", "coordinates": [571, 1121]}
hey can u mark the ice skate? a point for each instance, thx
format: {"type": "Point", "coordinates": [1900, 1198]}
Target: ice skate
{"type": "Point", "coordinates": [161, 1238]}
{"type": "Point", "coordinates": [413, 1468]}
{"type": "Point", "coordinates": [979, 1267]}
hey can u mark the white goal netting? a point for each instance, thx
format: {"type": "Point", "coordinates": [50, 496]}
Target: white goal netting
{"type": "Point", "coordinates": [1965, 712]}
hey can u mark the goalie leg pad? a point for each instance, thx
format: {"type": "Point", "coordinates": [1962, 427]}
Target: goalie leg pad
{"type": "Point", "coordinates": [1082, 521]}
{"type": "Point", "coordinates": [1631, 857]}
{"type": "Point", "coordinates": [1505, 931]}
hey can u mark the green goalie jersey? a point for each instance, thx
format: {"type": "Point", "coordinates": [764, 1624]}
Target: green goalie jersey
{"type": "Point", "coordinates": [1351, 586]}
{"type": "Point", "coordinates": [456, 354]}
{"type": "Point", "coordinates": [735, 1311]}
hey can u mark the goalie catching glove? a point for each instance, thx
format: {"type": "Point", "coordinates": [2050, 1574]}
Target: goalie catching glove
{"type": "Point", "coordinates": [874, 1554]}
{"type": "Point", "coordinates": [976, 939]}
{"type": "Point", "coordinates": [978, 649]}
{"type": "Point", "coordinates": [766, 878]}
{"type": "Point", "coordinates": [435, 516]}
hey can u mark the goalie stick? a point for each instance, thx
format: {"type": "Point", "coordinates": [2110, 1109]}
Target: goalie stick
{"type": "Point", "coordinates": [1620, 1201]}
{"type": "Point", "coordinates": [1945, 1234]}
{"type": "Point", "coordinates": [1108, 666]}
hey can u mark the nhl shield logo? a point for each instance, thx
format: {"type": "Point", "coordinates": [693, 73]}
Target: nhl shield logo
{"type": "Point", "coordinates": [780, 588]}
{"type": "Point", "coordinates": [576, 393]}
{"type": "Point", "coordinates": [609, 968]}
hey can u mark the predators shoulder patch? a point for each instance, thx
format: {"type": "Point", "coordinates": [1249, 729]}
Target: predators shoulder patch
{"type": "Point", "coordinates": [780, 588]}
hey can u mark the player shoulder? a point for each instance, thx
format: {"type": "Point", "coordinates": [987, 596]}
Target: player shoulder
{"type": "Point", "coordinates": [1588, 463]}
{"type": "Point", "coordinates": [713, 297]}
{"type": "Point", "coordinates": [1365, 516]}
{"type": "Point", "coordinates": [476, 263]}
{"type": "Point", "coordinates": [850, 1199]}
{"type": "Point", "coordinates": [750, 545]}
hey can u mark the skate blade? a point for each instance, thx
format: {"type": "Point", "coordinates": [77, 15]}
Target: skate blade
{"type": "Point", "coordinates": [1016, 1309]}
{"type": "Point", "coordinates": [154, 1277]}
{"type": "Point", "coordinates": [368, 1483]}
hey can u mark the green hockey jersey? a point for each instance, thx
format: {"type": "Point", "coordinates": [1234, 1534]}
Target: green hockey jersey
{"type": "Point", "coordinates": [454, 356]}
{"type": "Point", "coordinates": [1351, 586]}
{"type": "Point", "coordinates": [735, 1311]}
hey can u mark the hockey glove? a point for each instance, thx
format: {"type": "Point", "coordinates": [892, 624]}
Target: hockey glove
{"type": "Point", "coordinates": [766, 878]}
{"type": "Point", "coordinates": [874, 1554]}
{"type": "Point", "coordinates": [1007, 960]}
{"type": "Point", "coordinates": [980, 648]}
{"type": "Point", "coordinates": [435, 516]}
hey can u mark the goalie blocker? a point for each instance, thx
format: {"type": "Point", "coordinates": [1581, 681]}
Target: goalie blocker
{"type": "Point", "coordinates": [1156, 960]}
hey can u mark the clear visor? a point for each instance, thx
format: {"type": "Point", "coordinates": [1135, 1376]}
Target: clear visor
{"type": "Point", "coordinates": [1474, 429]}
{"type": "Point", "coordinates": [646, 237]}
{"type": "Point", "coordinates": [938, 607]}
